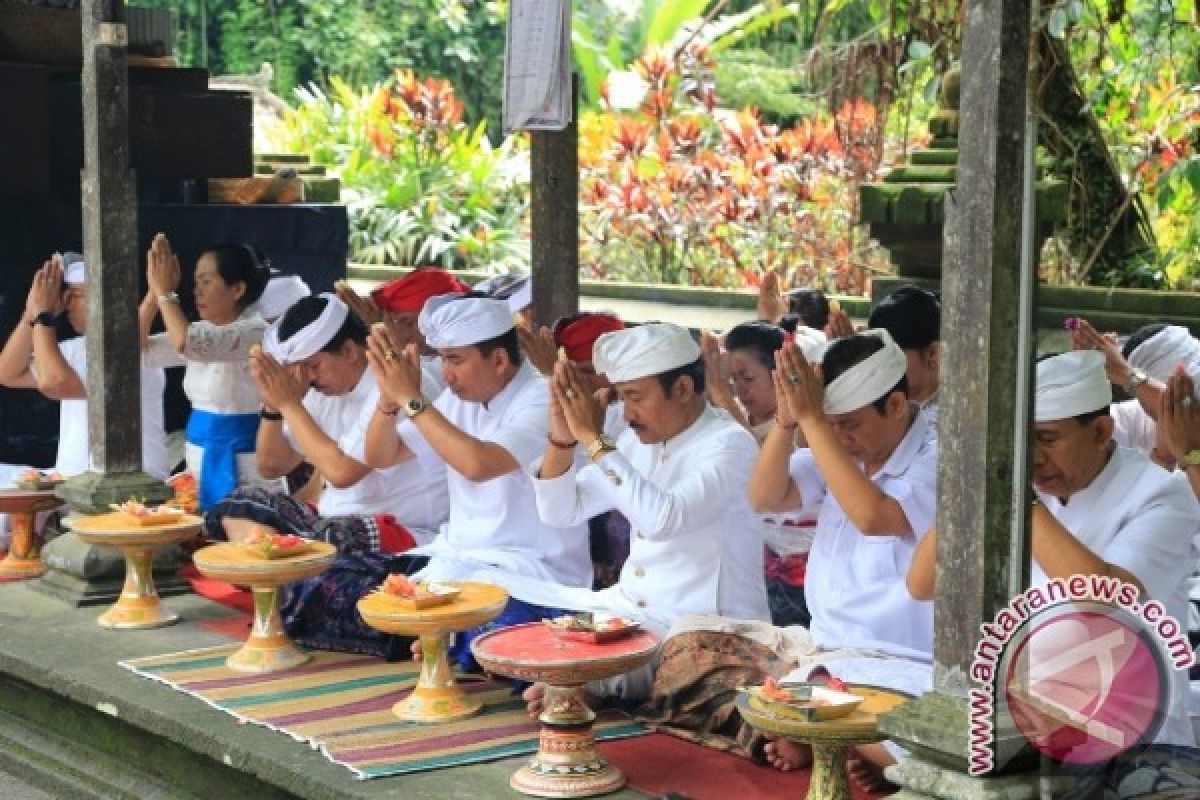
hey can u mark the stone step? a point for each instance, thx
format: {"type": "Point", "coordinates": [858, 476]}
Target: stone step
{"type": "Point", "coordinates": [291, 159]}
{"type": "Point", "coordinates": [934, 155]}
{"type": "Point", "coordinates": [271, 167]}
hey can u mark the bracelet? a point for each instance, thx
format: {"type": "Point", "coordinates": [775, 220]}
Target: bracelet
{"type": "Point", "coordinates": [387, 413]}
{"type": "Point", "coordinates": [791, 427]}
{"type": "Point", "coordinates": [168, 297]}
{"type": "Point", "coordinates": [274, 416]}
{"type": "Point", "coordinates": [562, 445]}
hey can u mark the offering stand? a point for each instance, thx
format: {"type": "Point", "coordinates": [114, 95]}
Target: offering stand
{"type": "Point", "coordinates": [436, 697]}
{"type": "Point", "coordinates": [138, 606]}
{"type": "Point", "coordinates": [830, 739]}
{"type": "Point", "coordinates": [24, 551]}
{"type": "Point", "coordinates": [268, 648]}
{"type": "Point", "coordinates": [566, 763]}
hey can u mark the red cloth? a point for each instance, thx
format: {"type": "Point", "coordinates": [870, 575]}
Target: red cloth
{"type": "Point", "coordinates": [393, 537]}
{"type": "Point", "coordinates": [578, 337]}
{"type": "Point", "coordinates": [407, 295]}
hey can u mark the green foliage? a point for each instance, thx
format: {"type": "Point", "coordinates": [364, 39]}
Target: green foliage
{"type": "Point", "coordinates": [748, 78]}
{"type": "Point", "coordinates": [421, 186]}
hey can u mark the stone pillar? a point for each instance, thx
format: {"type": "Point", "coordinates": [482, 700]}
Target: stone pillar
{"type": "Point", "coordinates": [554, 188]}
{"type": "Point", "coordinates": [986, 372]}
{"type": "Point", "coordinates": [109, 191]}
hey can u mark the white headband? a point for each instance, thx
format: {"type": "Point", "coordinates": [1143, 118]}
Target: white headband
{"type": "Point", "coordinates": [522, 297]}
{"type": "Point", "coordinates": [650, 349]}
{"type": "Point", "coordinates": [812, 343]}
{"type": "Point", "coordinates": [280, 294]}
{"type": "Point", "coordinates": [1071, 384]}
{"type": "Point", "coordinates": [869, 379]}
{"type": "Point", "coordinates": [451, 320]}
{"type": "Point", "coordinates": [1161, 353]}
{"type": "Point", "coordinates": [309, 340]}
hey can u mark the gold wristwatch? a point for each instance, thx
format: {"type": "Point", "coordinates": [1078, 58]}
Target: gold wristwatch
{"type": "Point", "coordinates": [600, 445]}
{"type": "Point", "coordinates": [415, 406]}
{"type": "Point", "coordinates": [1191, 458]}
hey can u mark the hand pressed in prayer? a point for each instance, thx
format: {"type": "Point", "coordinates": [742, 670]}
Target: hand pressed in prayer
{"type": "Point", "coordinates": [162, 267]}
{"type": "Point", "coordinates": [539, 348]}
{"type": "Point", "coordinates": [1179, 415]}
{"type": "Point", "coordinates": [560, 431]}
{"type": "Point", "coordinates": [772, 305]}
{"type": "Point", "coordinates": [838, 326]}
{"type": "Point", "coordinates": [584, 411]}
{"type": "Point", "coordinates": [46, 291]}
{"type": "Point", "coordinates": [799, 385]}
{"type": "Point", "coordinates": [362, 307]}
{"type": "Point", "coordinates": [1085, 337]}
{"type": "Point", "coordinates": [716, 372]}
{"type": "Point", "coordinates": [279, 386]}
{"type": "Point", "coordinates": [397, 369]}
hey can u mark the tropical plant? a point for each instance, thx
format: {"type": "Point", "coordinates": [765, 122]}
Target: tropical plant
{"type": "Point", "coordinates": [421, 185]}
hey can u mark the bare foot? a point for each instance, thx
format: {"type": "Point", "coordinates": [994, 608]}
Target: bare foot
{"type": "Point", "coordinates": [238, 529]}
{"type": "Point", "coordinates": [787, 756]}
{"type": "Point", "coordinates": [534, 697]}
{"type": "Point", "coordinates": [865, 772]}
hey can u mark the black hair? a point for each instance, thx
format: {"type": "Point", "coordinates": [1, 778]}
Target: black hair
{"type": "Point", "coordinates": [912, 315]}
{"type": "Point", "coordinates": [1090, 416]}
{"type": "Point", "coordinates": [844, 353]}
{"type": "Point", "coordinates": [760, 338]}
{"type": "Point", "coordinates": [1140, 336]}
{"type": "Point", "coordinates": [811, 305]}
{"type": "Point", "coordinates": [306, 310]}
{"type": "Point", "coordinates": [507, 342]}
{"type": "Point", "coordinates": [694, 370]}
{"type": "Point", "coordinates": [561, 323]}
{"type": "Point", "coordinates": [241, 263]}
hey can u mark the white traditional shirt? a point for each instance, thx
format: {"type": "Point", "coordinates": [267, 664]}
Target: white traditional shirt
{"type": "Point", "coordinates": [855, 584]}
{"type": "Point", "coordinates": [217, 378]}
{"type": "Point", "coordinates": [1132, 426]}
{"type": "Point", "coordinates": [785, 534]}
{"type": "Point", "coordinates": [1141, 518]}
{"type": "Point", "coordinates": [494, 524]}
{"type": "Point", "coordinates": [413, 492]}
{"type": "Point", "coordinates": [695, 546]}
{"type": "Point", "coordinates": [73, 450]}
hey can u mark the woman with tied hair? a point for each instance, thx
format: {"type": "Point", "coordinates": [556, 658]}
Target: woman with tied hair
{"type": "Point", "coordinates": [229, 280]}
{"type": "Point", "coordinates": [740, 382]}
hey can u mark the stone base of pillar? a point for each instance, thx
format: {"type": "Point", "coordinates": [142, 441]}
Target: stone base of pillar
{"type": "Point", "coordinates": [94, 493]}
{"type": "Point", "coordinates": [83, 574]}
{"type": "Point", "coordinates": [924, 780]}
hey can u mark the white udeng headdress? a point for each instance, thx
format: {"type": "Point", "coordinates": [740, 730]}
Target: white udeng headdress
{"type": "Point", "coordinates": [452, 320]}
{"type": "Point", "coordinates": [650, 349]}
{"type": "Point", "coordinates": [1071, 384]}
{"type": "Point", "coordinates": [280, 294]}
{"type": "Point", "coordinates": [309, 340]}
{"type": "Point", "coordinates": [1161, 353]}
{"type": "Point", "coordinates": [869, 379]}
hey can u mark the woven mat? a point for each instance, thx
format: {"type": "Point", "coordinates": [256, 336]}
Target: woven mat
{"type": "Point", "coordinates": [341, 704]}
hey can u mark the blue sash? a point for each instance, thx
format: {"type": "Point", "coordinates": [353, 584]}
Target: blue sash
{"type": "Point", "coordinates": [222, 436]}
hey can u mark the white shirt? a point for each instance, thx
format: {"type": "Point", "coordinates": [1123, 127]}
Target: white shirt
{"type": "Point", "coordinates": [495, 523]}
{"type": "Point", "coordinates": [217, 378]}
{"type": "Point", "coordinates": [1132, 426]}
{"type": "Point", "coordinates": [415, 493]}
{"type": "Point", "coordinates": [695, 544]}
{"type": "Point", "coordinates": [1141, 518]}
{"type": "Point", "coordinates": [73, 457]}
{"type": "Point", "coordinates": [855, 584]}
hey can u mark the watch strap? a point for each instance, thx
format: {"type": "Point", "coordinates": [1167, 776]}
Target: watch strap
{"type": "Point", "coordinates": [47, 318]}
{"type": "Point", "coordinates": [1191, 458]}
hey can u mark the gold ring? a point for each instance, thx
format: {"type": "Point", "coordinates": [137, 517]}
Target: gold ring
{"type": "Point", "coordinates": [391, 355]}
{"type": "Point", "coordinates": [569, 393]}
{"type": "Point", "coordinates": [1186, 402]}
{"type": "Point", "coordinates": [794, 378]}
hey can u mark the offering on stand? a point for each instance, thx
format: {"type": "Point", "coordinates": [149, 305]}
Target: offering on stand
{"type": "Point", "coordinates": [566, 763]}
{"type": "Point", "coordinates": [264, 566]}
{"type": "Point", "coordinates": [831, 719]}
{"type": "Point", "coordinates": [432, 612]}
{"type": "Point", "coordinates": [24, 550]}
{"type": "Point", "coordinates": [137, 530]}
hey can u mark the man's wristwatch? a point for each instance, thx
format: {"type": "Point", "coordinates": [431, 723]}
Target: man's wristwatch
{"type": "Point", "coordinates": [274, 416]}
{"type": "Point", "coordinates": [1191, 458]}
{"type": "Point", "coordinates": [415, 406]}
{"type": "Point", "coordinates": [600, 445]}
{"type": "Point", "coordinates": [47, 318]}
{"type": "Point", "coordinates": [1136, 378]}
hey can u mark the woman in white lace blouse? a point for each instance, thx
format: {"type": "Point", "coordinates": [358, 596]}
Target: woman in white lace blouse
{"type": "Point", "coordinates": [229, 279]}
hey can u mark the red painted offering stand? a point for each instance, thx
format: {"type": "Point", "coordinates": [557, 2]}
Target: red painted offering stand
{"type": "Point", "coordinates": [566, 763]}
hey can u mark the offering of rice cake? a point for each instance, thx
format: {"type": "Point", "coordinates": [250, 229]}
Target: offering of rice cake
{"type": "Point", "coordinates": [270, 544]}
{"type": "Point", "coordinates": [146, 516]}
{"type": "Point", "coordinates": [418, 594]}
{"type": "Point", "coordinates": [808, 702]}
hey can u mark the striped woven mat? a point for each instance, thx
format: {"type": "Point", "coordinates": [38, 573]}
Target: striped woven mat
{"type": "Point", "coordinates": [341, 704]}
